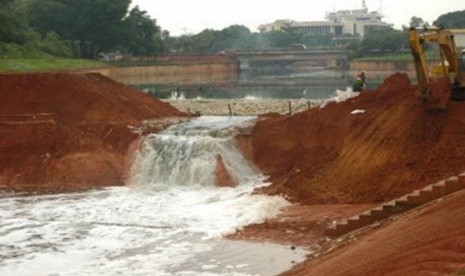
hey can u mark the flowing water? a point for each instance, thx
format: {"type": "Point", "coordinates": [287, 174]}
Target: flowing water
{"type": "Point", "coordinates": [170, 221]}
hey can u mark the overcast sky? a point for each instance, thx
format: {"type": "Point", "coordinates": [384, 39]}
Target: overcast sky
{"type": "Point", "coordinates": [191, 16]}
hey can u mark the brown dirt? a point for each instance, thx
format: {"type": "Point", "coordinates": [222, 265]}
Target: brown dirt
{"type": "Point", "coordinates": [63, 132]}
{"type": "Point", "coordinates": [426, 241]}
{"type": "Point", "coordinates": [329, 155]}
{"type": "Point", "coordinates": [300, 225]}
{"type": "Point", "coordinates": [222, 176]}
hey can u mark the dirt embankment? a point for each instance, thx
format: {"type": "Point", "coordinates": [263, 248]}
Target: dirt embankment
{"type": "Point", "coordinates": [63, 132]}
{"type": "Point", "coordinates": [368, 149]}
{"type": "Point", "coordinates": [426, 241]}
{"type": "Point", "coordinates": [372, 148]}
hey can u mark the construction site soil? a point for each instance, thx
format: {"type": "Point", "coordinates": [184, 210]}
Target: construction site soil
{"type": "Point", "coordinates": [368, 149]}
{"type": "Point", "coordinates": [66, 132]}
{"type": "Point", "coordinates": [429, 240]}
{"type": "Point", "coordinates": [349, 156]}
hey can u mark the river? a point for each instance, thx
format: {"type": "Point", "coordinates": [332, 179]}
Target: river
{"type": "Point", "coordinates": [171, 220]}
{"type": "Point", "coordinates": [311, 84]}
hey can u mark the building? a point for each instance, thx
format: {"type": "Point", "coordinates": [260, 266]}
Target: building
{"type": "Point", "coordinates": [354, 23]}
{"type": "Point", "coordinates": [459, 36]}
{"type": "Point", "coordinates": [278, 25]}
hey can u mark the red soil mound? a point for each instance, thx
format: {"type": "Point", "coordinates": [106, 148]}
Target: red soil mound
{"type": "Point", "coordinates": [222, 176]}
{"type": "Point", "coordinates": [427, 241]}
{"type": "Point", "coordinates": [64, 131]}
{"type": "Point", "coordinates": [330, 155]}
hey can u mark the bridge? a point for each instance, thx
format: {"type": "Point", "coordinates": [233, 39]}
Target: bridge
{"type": "Point", "coordinates": [292, 59]}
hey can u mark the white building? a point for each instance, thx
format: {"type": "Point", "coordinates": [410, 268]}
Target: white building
{"type": "Point", "coordinates": [338, 23]}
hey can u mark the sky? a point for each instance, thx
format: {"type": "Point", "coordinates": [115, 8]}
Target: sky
{"type": "Point", "coordinates": [191, 17]}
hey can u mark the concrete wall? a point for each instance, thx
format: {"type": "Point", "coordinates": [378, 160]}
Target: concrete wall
{"type": "Point", "coordinates": [379, 70]}
{"type": "Point", "coordinates": [227, 73]}
{"type": "Point", "coordinates": [173, 74]}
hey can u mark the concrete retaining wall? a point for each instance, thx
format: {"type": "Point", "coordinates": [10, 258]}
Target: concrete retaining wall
{"type": "Point", "coordinates": [228, 72]}
{"type": "Point", "coordinates": [173, 74]}
{"type": "Point", "coordinates": [379, 70]}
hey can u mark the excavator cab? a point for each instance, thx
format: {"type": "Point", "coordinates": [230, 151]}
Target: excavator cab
{"type": "Point", "coordinates": [443, 80]}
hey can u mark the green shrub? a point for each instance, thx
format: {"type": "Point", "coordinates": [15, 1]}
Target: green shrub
{"type": "Point", "coordinates": [51, 44]}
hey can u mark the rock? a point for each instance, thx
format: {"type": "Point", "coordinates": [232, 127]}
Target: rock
{"type": "Point", "coordinates": [223, 178]}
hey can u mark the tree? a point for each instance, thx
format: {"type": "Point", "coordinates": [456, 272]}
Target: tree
{"type": "Point", "coordinates": [232, 37]}
{"type": "Point", "coordinates": [383, 39]}
{"type": "Point", "coordinates": [319, 40]}
{"type": "Point", "coordinates": [451, 20]}
{"type": "Point", "coordinates": [14, 26]}
{"type": "Point", "coordinates": [284, 38]}
{"type": "Point", "coordinates": [93, 24]}
{"type": "Point", "coordinates": [141, 36]}
{"type": "Point", "coordinates": [212, 41]}
{"type": "Point", "coordinates": [417, 22]}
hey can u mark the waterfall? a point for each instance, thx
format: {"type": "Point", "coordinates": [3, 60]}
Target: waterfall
{"type": "Point", "coordinates": [185, 154]}
{"type": "Point", "coordinates": [169, 222]}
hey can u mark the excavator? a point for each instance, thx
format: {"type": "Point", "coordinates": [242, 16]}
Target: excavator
{"type": "Point", "coordinates": [443, 80]}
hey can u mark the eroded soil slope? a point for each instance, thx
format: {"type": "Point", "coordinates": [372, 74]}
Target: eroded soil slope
{"type": "Point", "coordinates": [389, 146]}
{"type": "Point", "coordinates": [426, 241]}
{"type": "Point", "coordinates": [62, 132]}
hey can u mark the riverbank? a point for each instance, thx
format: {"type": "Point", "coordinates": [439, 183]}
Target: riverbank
{"type": "Point", "coordinates": [64, 132]}
{"type": "Point", "coordinates": [24, 65]}
{"type": "Point", "coordinates": [370, 149]}
{"type": "Point", "coordinates": [242, 107]}
{"type": "Point", "coordinates": [378, 69]}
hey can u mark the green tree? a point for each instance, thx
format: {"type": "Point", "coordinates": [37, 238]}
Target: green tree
{"type": "Point", "coordinates": [451, 20]}
{"type": "Point", "coordinates": [14, 26]}
{"type": "Point", "coordinates": [417, 22]}
{"type": "Point", "coordinates": [141, 36]}
{"type": "Point", "coordinates": [284, 38]}
{"type": "Point", "coordinates": [319, 40]}
{"type": "Point", "coordinates": [53, 45]}
{"type": "Point", "coordinates": [212, 41]}
{"type": "Point", "coordinates": [202, 43]}
{"type": "Point", "coordinates": [383, 39]}
{"type": "Point", "coordinates": [93, 25]}
{"type": "Point", "coordinates": [232, 37]}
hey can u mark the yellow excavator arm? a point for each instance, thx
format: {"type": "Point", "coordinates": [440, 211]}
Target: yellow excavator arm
{"type": "Point", "coordinates": [435, 82]}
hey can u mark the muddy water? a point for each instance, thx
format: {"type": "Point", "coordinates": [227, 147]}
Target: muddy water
{"type": "Point", "coordinates": [170, 221]}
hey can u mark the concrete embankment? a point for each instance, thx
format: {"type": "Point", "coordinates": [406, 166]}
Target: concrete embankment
{"type": "Point", "coordinates": [225, 70]}
{"type": "Point", "coordinates": [377, 71]}
{"type": "Point", "coordinates": [221, 70]}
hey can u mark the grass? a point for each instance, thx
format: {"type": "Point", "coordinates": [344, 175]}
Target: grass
{"type": "Point", "coordinates": [13, 65]}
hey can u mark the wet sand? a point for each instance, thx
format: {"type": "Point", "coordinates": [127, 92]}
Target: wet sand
{"type": "Point", "coordinates": [301, 226]}
{"type": "Point", "coordinates": [235, 257]}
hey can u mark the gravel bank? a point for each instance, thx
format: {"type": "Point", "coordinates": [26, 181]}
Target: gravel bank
{"type": "Point", "coordinates": [242, 106]}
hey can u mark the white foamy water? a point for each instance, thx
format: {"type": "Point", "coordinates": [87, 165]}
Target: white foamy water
{"type": "Point", "coordinates": [341, 96]}
{"type": "Point", "coordinates": [170, 221]}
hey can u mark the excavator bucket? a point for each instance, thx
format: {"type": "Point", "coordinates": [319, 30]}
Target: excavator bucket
{"type": "Point", "coordinates": [438, 94]}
